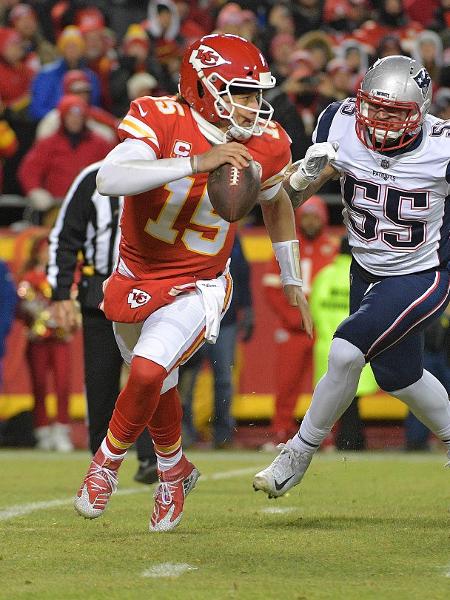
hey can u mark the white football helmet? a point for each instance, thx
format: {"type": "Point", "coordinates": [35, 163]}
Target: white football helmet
{"type": "Point", "coordinates": [396, 84]}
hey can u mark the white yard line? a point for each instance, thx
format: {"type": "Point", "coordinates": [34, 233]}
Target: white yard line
{"type": "Point", "coordinates": [20, 510]}
{"type": "Point", "coordinates": [168, 570]}
{"type": "Point", "coordinates": [277, 510]}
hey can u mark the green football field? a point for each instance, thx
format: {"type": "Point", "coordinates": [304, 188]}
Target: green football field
{"type": "Point", "coordinates": [360, 526]}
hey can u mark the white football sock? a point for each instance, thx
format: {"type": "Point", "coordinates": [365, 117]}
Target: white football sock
{"type": "Point", "coordinates": [120, 455]}
{"type": "Point", "coordinates": [428, 400]}
{"type": "Point", "coordinates": [332, 395]}
{"type": "Point", "coordinates": [167, 462]}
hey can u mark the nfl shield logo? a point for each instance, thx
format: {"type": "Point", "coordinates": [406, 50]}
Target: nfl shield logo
{"type": "Point", "coordinates": [384, 163]}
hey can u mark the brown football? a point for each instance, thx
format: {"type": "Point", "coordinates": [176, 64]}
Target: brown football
{"type": "Point", "coordinates": [233, 192]}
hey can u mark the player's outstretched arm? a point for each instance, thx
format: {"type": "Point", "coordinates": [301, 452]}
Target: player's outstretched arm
{"type": "Point", "coordinates": [132, 167]}
{"type": "Point", "coordinates": [305, 177]}
{"type": "Point", "coordinates": [279, 220]}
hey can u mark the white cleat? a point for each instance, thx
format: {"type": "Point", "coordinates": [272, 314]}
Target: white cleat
{"type": "Point", "coordinates": [284, 472]}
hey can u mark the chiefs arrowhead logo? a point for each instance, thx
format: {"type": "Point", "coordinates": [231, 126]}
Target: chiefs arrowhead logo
{"type": "Point", "coordinates": [205, 57]}
{"type": "Point", "coordinates": [137, 298]}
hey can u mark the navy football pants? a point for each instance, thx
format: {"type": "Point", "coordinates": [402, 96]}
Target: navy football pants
{"type": "Point", "coordinates": [387, 319]}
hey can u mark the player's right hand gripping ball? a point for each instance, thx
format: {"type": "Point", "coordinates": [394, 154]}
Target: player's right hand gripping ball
{"type": "Point", "coordinates": [233, 192]}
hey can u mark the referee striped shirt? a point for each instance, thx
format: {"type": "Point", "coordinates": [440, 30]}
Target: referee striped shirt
{"type": "Point", "coordinates": [88, 223]}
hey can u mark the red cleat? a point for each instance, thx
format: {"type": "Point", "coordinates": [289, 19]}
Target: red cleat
{"type": "Point", "coordinates": [175, 484]}
{"type": "Point", "coordinates": [97, 487]}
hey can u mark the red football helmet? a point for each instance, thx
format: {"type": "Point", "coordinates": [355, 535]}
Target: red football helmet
{"type": "Point", "coordinates": [214, 68]}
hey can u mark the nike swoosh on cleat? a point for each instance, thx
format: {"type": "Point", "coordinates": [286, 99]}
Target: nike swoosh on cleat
{"type": "Point", "coordinates": [283, 483]}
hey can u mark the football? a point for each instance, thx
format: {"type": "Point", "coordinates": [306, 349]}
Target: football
{"type": "Point", "coordinates": [233, 192]}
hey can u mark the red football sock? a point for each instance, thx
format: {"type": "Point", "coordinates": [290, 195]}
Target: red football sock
{"type": "Point", "coordinates": [135, 405]}
{"type": "Point", "coordinates": [165, 423]}
{"type": "Point", "coordinates": [165, 429]}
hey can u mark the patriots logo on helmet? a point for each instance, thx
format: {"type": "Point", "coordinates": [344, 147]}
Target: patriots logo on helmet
{"type": "Point", "coordinates": [423, 80]}
{"type": "Point", "coordinates": [205, 57]}
{"type": "Point", "coordinates": [137, 298]}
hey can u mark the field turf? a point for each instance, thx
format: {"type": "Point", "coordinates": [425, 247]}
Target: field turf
{"type": "Point", "coordinates": [360, 526]}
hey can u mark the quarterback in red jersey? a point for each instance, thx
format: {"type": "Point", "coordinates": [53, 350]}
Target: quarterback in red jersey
{"type": "Point", "coordinates": [172, 286]}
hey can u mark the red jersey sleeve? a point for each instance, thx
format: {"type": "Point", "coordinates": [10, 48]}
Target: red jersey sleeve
{"type": "Point", "coordinates": [272, 151]}
{"type": "Point", "coordinates": [144, 121]}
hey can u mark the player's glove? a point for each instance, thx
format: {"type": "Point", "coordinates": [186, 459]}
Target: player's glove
{"type": "Point", "coordinates": [309, 168]}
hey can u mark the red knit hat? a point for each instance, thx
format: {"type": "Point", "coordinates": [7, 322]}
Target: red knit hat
{"type": "Point", "coordinates": [90, 19]}
{"type": "Point", "coordinates": [315, 205]}
{"type": "Point", "coordinates": [71, 102]}
{"type": "Point", "coordinates": [75, 81]}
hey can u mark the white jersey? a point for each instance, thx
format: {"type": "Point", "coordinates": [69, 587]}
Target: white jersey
{"type": "Point", "coordinates": [396, 205]}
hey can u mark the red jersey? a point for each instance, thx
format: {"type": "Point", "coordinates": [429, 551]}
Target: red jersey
{"type": "Point", "coordinates": [173, 231]}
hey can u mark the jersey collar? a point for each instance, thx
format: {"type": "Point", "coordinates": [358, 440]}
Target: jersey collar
{"type": "Point", "coordinates": [212, 133]}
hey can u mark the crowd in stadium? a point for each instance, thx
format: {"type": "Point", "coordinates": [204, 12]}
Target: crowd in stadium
{"type": "Point", "coordinates": [107, 53]}
{"type": "Point", "coordinates": [69, 70]}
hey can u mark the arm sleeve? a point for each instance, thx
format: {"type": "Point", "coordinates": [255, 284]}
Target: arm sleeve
{"type": "Point", "coordinates": [132, 168]}
{"type": "Point", "coordinates": [68, 235]}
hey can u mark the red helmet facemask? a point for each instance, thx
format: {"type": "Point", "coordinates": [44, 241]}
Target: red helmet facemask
{"type": "Point", "coordinates": [385, 135]}
{"type": "Point", "coordinates": [218, 66]}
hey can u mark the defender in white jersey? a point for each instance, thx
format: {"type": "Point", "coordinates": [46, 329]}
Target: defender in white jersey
{"type": "Point", "coordinates": [393, 162]}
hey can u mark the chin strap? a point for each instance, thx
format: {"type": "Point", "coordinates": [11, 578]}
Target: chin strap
{"type": "Point", "coordinates": [237, 134]}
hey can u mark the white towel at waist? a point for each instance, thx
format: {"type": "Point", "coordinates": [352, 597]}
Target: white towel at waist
{"type": "Point", "coordinates": [213, 292]}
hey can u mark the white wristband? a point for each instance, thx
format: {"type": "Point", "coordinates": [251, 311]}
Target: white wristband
{"type": "Point", "coordinates": [298, 180]}
{"type": "Point", "coordinates": [288, 257]}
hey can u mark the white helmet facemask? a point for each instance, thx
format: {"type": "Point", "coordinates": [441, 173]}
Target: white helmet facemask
{"type": "Point", "coordinates": [226, 105]}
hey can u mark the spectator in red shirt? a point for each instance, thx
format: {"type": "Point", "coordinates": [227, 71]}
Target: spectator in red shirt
{"type": "Point", "coordinates": [50, 166]}
{"type": "Point", "coordinates": [48, 350]}
{"type": "Point", "coordinates": [293, 362]}
{"type": "Point", "coordinates": [15, 75]}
